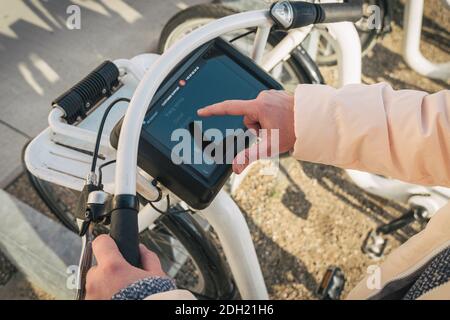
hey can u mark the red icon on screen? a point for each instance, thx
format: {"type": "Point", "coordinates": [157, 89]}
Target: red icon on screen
{"type": "Point", "coordinates": [182, 83]}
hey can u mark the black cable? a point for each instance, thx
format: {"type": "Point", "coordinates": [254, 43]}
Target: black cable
{"type": "Point", "coordinates": [97, 147]}
{"type": "Point", "coordinates": [168, 207]}
{"type": "Point", "coordinates": [159, 210]}
{"type": "Point", "coordinates": [100, 173]}
{"type": "Point", "coordinates": [242, 35]}
{"type": "Point", "coordinates": [100, 131]}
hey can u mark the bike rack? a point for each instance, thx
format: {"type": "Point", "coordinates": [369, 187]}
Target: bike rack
{"type": "Point", "coordinates": [413, 19]}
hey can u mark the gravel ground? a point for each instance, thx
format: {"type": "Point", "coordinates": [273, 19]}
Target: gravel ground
{"type": "Point", "coordinates": [310, 216]}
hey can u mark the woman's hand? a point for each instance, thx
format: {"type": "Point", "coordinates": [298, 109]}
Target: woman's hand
{"type": "Point", "coordinates": [271, 110]}
{"type": "Point", "coordinates": [113, 273]}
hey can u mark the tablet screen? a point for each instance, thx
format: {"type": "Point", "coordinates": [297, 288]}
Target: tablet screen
{"type": "Point", "coordinates": [212, 78]}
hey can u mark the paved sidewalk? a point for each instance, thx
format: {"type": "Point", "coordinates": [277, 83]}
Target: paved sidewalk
{"type": "Point", "coordinates": [40, 57]}
{"type": "Point", "coordinates": [43, 250]}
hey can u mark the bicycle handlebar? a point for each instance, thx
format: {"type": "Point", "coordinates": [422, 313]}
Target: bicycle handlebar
{"type": "Point", "coordinates": [124, 218]}
{"type": "Point", "coordinates": [124, 228]}
{"type": "Point", "coordinates": [297, 14]}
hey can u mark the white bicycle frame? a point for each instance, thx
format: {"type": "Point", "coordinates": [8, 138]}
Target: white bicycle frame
{"type": "Point", "coordinates": [413, 18]}
{"type": "Point", "coordinates": [223, 214]}
{"type": "Point", "coordinates": [431, 199]}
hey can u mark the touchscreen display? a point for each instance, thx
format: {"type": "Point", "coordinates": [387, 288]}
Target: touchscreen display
{"type": "Point", "coordinates": [210, 79]}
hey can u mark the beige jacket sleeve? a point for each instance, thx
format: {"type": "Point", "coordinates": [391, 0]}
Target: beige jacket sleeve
{"type": "Point", "coordinates": [401, 134]}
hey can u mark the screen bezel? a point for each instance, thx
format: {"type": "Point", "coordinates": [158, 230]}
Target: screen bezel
{"type": "Point", "coordinates": [245, 62]}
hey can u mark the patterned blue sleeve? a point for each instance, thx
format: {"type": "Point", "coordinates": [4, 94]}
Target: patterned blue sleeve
{"type": "Point", "coordinates": [436, 274]}
{"type": "Point", "coordinates": [145, 287]}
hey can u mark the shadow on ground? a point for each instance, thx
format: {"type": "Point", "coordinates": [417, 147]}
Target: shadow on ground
{"type": "Point", "coordinates": [294, 198]}
{"type": "Point", "coordinates": [335, 181]}
{"type": "Point", "coordinates": [279, 267]}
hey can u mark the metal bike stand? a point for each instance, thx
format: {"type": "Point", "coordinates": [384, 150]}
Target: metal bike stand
{"type": "Point", "coordinates": [413, 19]}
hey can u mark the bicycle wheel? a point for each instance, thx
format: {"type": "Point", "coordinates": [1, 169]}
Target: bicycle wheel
{"type": "Point", "coordinates": [296, 69]}
{"type": "Point", "coordinates": [61, 201]}
{"type": "Point", "coordinates": [187, 252]}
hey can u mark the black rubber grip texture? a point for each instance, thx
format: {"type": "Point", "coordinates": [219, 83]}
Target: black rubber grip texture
{"type": "Point", "coordinates": [124, 230]}
{"type": "Point", "coordinates": [79, 99]}
{"type": "Point", "coordinates": [306, 13]}
{"type": "Point", "coordinates": [351, 11]}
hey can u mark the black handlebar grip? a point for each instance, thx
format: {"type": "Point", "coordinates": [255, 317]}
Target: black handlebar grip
{"type": "Point", "coordinates": [124, 230]}
{"type": "Point", "coordinates": [297, 14]}
{"type": "Point", "coordinates": [351, 11]}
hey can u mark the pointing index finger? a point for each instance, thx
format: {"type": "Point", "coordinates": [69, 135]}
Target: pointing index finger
{"type": "Point", "coordinates": [229, 108]}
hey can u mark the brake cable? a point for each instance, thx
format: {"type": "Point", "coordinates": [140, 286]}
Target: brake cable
{"type": "Point", "coordinates": [93, 210]}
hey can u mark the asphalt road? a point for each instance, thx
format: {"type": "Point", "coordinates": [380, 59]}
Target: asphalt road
{"type": "Point", "coordinates": [40, 57]}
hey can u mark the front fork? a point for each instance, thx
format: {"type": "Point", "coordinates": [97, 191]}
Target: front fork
{"type": "Point", "coordinates": [228, 222]}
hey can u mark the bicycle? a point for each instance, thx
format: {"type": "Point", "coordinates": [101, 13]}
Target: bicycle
{"type": "Point", "coordinates": [298, 67]}
{"type": "Point", "coordinates": [320, 45]}
{"type": "Point", "coordinates": [319, 48]}
{"type": "Point", "coordinates": [62, 154]}
{"type": "Point", "coordinates": [302, 64]}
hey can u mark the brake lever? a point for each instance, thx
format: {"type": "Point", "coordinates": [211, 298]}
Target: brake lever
{"type": "Point", "coordinates": [96, 211]}
{"type": "Point", "coordinates": [85, 262]}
